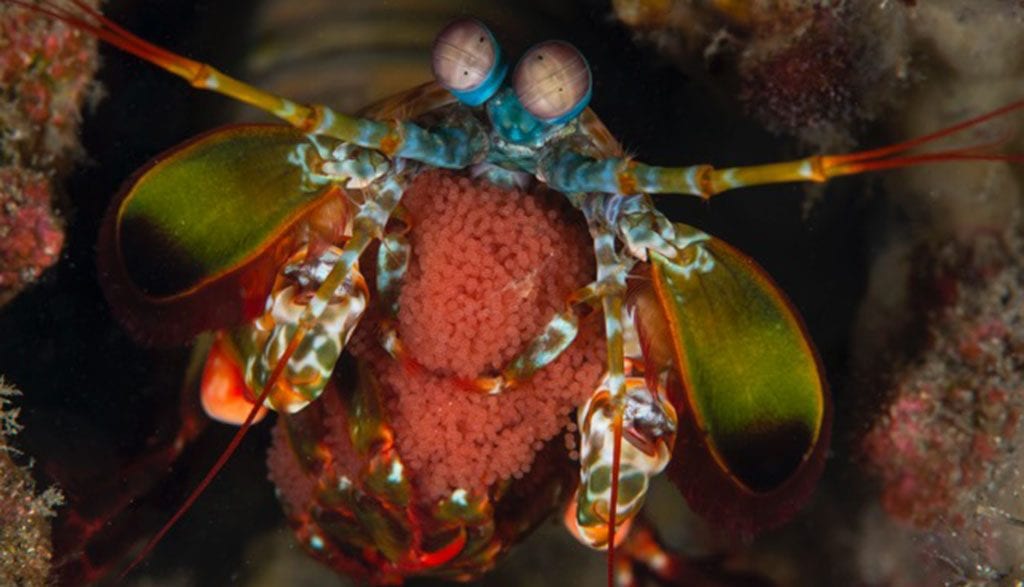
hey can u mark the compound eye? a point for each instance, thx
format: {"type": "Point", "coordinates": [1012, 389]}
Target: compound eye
{"type": "Point", "coordinates": [467, 61]}
{"type": "Point", "coordinates": [553, 81]}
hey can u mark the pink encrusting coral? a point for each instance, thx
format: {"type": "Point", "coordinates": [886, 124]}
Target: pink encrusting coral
{"type": "Point", "coordinates": [946, 449]}
{"type": "Point", "coordinates": [46, 70]}
{"type": "Point", "coordinates": [489, 269]}
{"type": "Point", "coordinates": [956, 412]}
{"type": "Point", "coordinates": [30, 234]}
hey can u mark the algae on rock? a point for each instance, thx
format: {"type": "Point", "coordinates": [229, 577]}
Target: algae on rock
{"type": "Point", "coordinates": [25, 546]}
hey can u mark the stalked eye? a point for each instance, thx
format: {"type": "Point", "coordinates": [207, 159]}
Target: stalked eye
{"type": "Point", "coordinates": [468, 61]}
{"type": "Point", "coordinates": [552, 81]}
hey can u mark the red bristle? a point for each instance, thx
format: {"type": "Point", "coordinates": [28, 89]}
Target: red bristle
{"type": "Point", "coordinates": [923, 159]}
{"type": "Point", "coordinates": [613, 506]}
{"type": "Point", "coordinates": [883, 152]}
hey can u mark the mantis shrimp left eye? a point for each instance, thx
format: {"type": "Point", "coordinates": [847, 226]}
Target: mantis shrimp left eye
{"type": "Point", "coordinates": [467, 61]}
{"type": "Point", "coordinates": [553, 82]}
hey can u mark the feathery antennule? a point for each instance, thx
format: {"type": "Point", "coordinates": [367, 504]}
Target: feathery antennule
{"type": "Point", "coordinates": [905, 146]}
{"type": "Point", "coordinates": [886, 157]}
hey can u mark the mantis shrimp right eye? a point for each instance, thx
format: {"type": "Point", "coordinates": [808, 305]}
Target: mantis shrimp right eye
{"type": "Point", "coordinates": [553, 81]}
{"type": "Point", "coordinates": [467, 61]}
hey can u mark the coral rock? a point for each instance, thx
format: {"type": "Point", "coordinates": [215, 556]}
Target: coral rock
{"type": "Point", "coordinates": [46, 70]}
{"type": "Point", "coordinates": [31, 235]}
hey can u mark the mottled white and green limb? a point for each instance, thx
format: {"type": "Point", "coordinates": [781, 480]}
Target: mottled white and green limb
{"type": "Point", "coordinates": [392, 264]}
{"type": "Point", "coordinates": [316, 328]}
{"type": "Point", "coordinates": [615, 473]}
{"type": "Point", "coordinates": [547, 346]}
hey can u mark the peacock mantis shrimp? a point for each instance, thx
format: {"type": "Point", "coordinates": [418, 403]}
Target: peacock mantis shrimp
{"type": "Point", "coordinates": [699, 344]}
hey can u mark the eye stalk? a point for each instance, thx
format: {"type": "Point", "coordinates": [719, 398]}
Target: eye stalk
{"type": "Point", "coordinates": [467, 61]}
{"type": "Point", "coordinates": [553, 82]}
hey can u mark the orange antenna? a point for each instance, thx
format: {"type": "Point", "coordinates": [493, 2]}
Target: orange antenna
{"type": "Point", "coordinates": [199, 75]}
{"type": "Point", "coordinates": [704, 181]}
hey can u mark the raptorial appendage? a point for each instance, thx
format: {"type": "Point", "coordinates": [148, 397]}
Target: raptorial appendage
{"type": "Point", "coordinates": [647, 430]}
{"type": "Point", "coordinates": [264, 340]}
{"type": "Point", "coordinates": [320, 295]}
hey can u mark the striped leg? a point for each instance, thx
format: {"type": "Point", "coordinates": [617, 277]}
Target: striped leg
{"type": "Point", "coordinates": [316, 325]}
{"type": "Point", "coordinates": [613, 471]}
{"type": "Point", "coordinates": [392, 264]}
{"type": "Point", "coordinates": [557, 335]}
